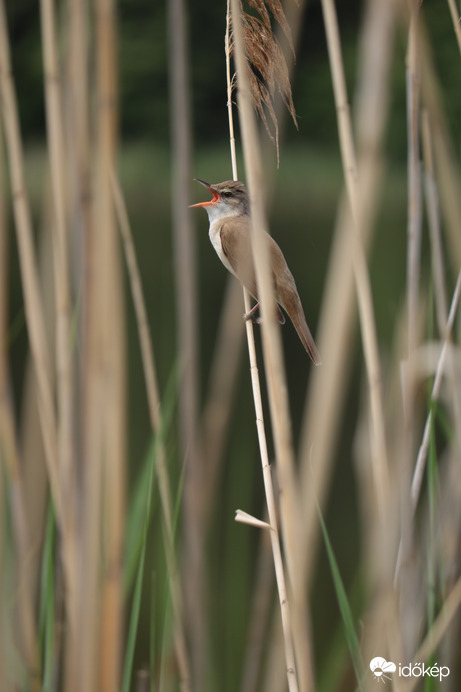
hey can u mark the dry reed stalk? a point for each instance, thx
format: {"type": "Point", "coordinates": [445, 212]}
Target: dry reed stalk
{"type": "Point", "coordinates": [24, 593]}
{"type": "Point", "coordinates": [270, 334]}
{"type": "Point", "coordinates": [221, 389]}
{"type": "Point", "coordinates": [444, 149]}
{"type": "Point", "coordinates": [80, 199]}
{"type": "Point", "coordinates": [448, 178]}
{"type": "Point", "coordinates": [10, 456]}
{"type": "Point", "coordinates": [29, 276]}
{"type": "Point", "coordinates": [433, 217]}
{"type": "Point", "coordinates": [259, 619]}
{"type": "Point", "coordinates": [277, 390]}
{"type": "Point", "coordinates": [438, 630]}
{"type": "Point", "coordinates": [422, 454]}
{"type": "Point", "coordinates": [263, 589]}
{"type": "Point", "coordinates": [78, 138]}
{"type": "Point", "coordinates": [328, 385]}
{"type": "Point", "coordinates": [414, 184]}
{"type": "Point", "coordinates": [223, 371]}
{"type": "Point", "coordinates": [291, 668]}
{"type": "Point", "coordinates": [153, 399]}
{"type": "Point", "coordinates": [113, 362]}
{"type": "Point", "coordinates": [438, 266]}
{"type": "Point", "coordinates": [31, 289]}
{"type": "Point", "coordinates": [414, 222]}
{"type": "Point", "coordinates": [64, 366]}
{"type": "Point", "coordinates": [33, 461]}
{"type": "Point", "coordinates": [194, 578]}
{"type": "Point", "coordinates": [363, 288]}
{"type": "Point", "coordinates": [5, 627]}
{"type": "Point", "coordinates": [99, 632]}
{"type": "Point", "coordinates": [455, 17]}
{"type": "Point", "coordinates": [81, 669]}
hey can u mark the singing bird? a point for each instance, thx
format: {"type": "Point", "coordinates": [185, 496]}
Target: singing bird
{"type": "Point", "coordinates": [230, 227]}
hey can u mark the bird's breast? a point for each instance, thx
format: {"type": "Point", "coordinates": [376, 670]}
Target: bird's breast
{"type": "Point", "coordinates": [215, 237]}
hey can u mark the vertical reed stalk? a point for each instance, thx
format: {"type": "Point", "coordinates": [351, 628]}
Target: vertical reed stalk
{"type": "Point", "coordinates": [414, 180]}
{"type": "Point", "coordinates": [153, 398]}
{"type": "Point", "coordinates": [80, 219]}
{"type": "Point", "coordinates": [194, 578]}
{"type": "Point", "coordinates": [103, 402]}
{"type": "Point", "coordinates": [64, 369]}
{"type": "Point", "coordinates": [418, 473]}
{"type": "Point", "coordinates": [278, 399]}
{"type": "Point", "coordinates": [454, 12]}
{"type": "Point", "coordinates": [12, 471]}
{"type": "Point", "coordinates": [111, 294]}
{"type": "Point", "coordinates": [329, 384]}
{"type": "Point", "coordinates": [29, 275]}
{"type": "Point", "coordinates": [444, 148]}
{"type": "Point", "coordinates": [363, 288]}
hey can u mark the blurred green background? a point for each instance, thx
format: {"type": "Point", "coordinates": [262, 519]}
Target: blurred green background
{"type": "Point", "coordinates": [302, 214]}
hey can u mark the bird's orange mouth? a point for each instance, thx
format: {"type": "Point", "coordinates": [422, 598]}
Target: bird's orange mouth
{"type": "Point", "coordinates": [215, 199]}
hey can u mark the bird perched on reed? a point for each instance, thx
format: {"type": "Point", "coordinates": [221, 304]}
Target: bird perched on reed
{"type": "Point", "coordinates": [230, 228]}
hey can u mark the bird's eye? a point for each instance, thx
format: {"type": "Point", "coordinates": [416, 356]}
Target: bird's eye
{"type": "Point", "coordinates": [226, 194]}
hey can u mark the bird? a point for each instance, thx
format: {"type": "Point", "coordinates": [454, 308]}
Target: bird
{"type": "Point", "coordinates": [230, 228]}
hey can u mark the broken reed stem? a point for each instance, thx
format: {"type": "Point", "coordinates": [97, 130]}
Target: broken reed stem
{"type": "Point", "coordinates": [153, 398]}
{"type": "Point", "coordinates": [267, 477]}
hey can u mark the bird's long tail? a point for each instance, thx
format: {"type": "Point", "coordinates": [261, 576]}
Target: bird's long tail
{"type": "Point", "coordinates": [298, 318]}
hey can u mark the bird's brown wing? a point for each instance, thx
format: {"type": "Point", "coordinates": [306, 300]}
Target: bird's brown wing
{"type": "Point", "coordinates": [236, 245]}
{"type": "Point", "coordinates": [288, 297]}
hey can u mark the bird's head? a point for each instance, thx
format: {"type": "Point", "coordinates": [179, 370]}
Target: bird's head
{"type": "Point", "coordinates": [230, 198]}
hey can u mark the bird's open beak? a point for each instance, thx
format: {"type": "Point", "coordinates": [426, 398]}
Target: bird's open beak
{"type": "Point", "coordinates": [211, 201]}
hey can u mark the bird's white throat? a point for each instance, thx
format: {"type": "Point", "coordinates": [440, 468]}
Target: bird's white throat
{"type": "Point", "coordinates": [221, 210]}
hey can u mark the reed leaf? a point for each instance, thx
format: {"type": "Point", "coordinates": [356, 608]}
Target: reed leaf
{"type": "Point", "coordinates": [343, 602]}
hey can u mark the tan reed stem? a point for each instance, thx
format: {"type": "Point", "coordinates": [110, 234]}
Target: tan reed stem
{"type": "Point", "coordinates": [64, 367]}
{"type": "Point", "coordinates": [276, 384]}
{"type": "Point", "coordinates": [194, 577]}
{"type": "Point", "coordinates": [29, 275]}
{"type": "Point", "coordinates": [439, 628]}
{"type": "Point", "coordinates": [414, 183]}
{"type": "Point", "coordinates": [362, 279]}
{"type": "Point", "coordinates": [153, 398]}
{"type": "Point", "coordinates": [418, 473]}
{"type": "Point", "coordinates": [112, 355]}
{"type": "Point", "coordinates": [13, 472]}
{"type": "Point", "coordinates": [455, 17]}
